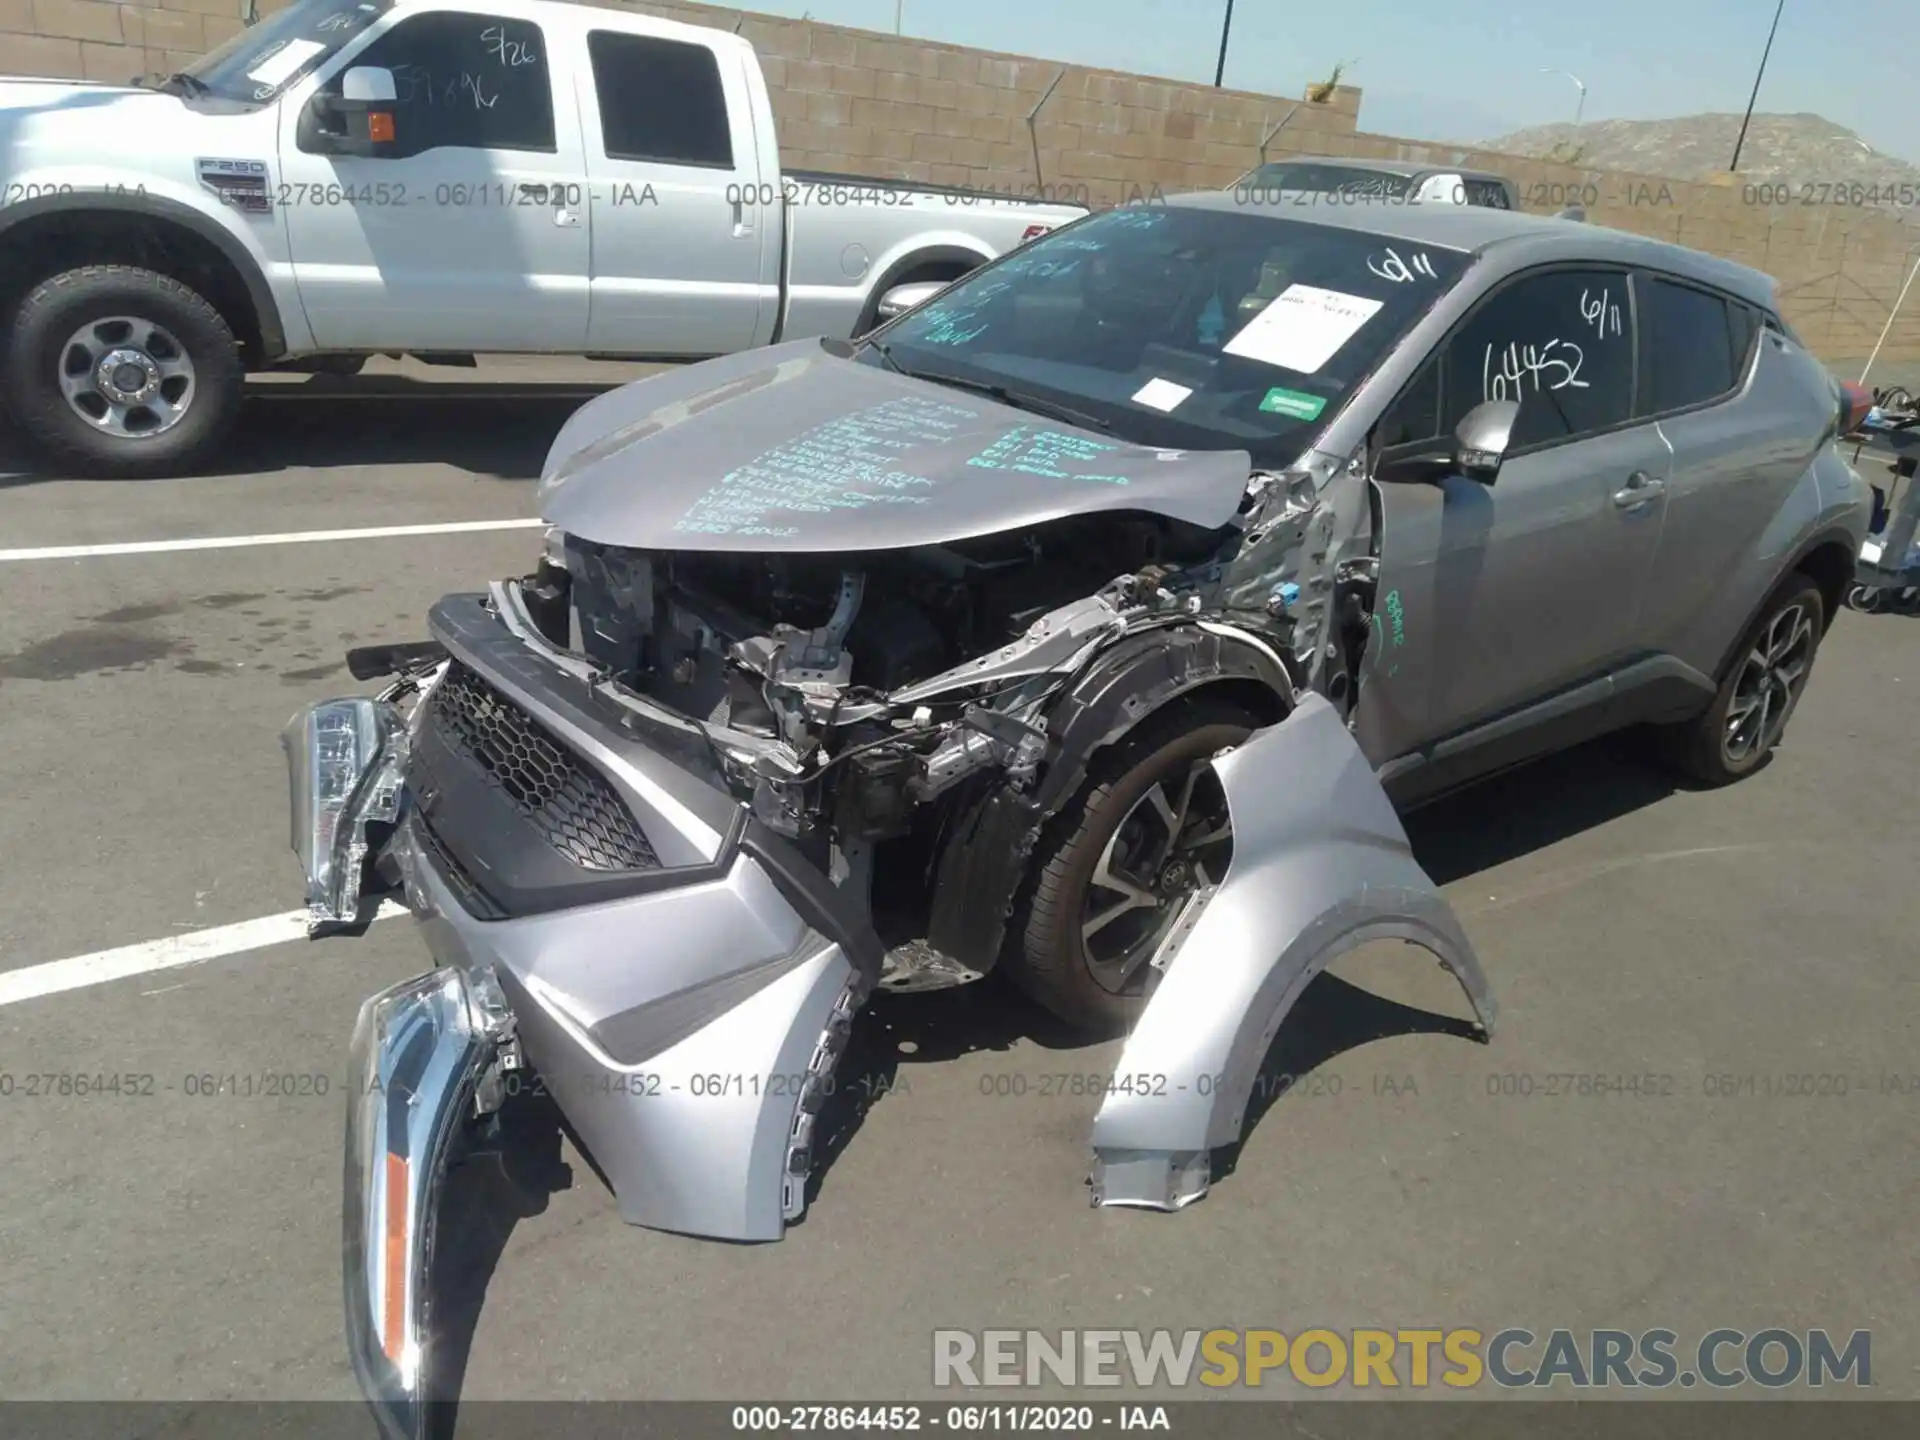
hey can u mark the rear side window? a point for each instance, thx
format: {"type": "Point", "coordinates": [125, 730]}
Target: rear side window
{"type": "Point", "coordinates": [1742, 325]}
{"type": "Point", "coordinates": [1490, 193]}
{"type": "Point", "coordinates": [1560, 343]}
{"type": "Point", "coordinates": [1687, 355]}
{"type": "Point", "coordinates": [660, 100]}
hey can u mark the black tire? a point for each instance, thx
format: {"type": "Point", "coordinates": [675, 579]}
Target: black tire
{"type": "Point", "coordinates": [1047, 957]}
{"type": "Point", "coordinates": [56, 310]}
{"type": "Point", "coordinates": [1704, 749]}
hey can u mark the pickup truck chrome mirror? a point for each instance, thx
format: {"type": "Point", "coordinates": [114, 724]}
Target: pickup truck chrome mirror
{"type": "Point", "coordinates": [356, 120]}
{"type": "Point", "coordinates": [902, 298]}
{"type": "Point", "coordinates": [368, 82]}
{"type": "Point", "coordinates": [1481, 439]}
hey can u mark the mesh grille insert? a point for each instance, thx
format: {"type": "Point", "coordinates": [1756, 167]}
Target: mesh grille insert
{"type": "Point", "coordinates": [572, 806]}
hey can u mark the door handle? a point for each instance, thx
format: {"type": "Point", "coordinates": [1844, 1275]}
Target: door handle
{"type": "Point", "coordinates": [1640, 488]}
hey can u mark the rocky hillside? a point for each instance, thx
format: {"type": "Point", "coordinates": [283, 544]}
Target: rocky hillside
{"type": "Point", "coordinates": [1797, 150]}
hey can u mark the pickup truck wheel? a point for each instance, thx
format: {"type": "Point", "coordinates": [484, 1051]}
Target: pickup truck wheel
{"type": "Point", "coordinates": [116, 372]}
{"type": "Point", "coordinates": [1757, 695]}
{"type": "Point", "coordinates": [1145, 833]}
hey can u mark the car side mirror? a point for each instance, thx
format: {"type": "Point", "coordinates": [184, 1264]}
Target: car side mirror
{"type": "Point", "coordinates": [1481, 439]}
{"type": "Point", "coordinates": [358, 120]}
{"type": "Point", "coordinates": [1479, 445]}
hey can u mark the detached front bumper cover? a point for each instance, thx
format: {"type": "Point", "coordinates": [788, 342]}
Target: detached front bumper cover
{"type": "Point", "coordinates": [345, 769]}
{"type": "Point", "coordinates": [423, 1052]}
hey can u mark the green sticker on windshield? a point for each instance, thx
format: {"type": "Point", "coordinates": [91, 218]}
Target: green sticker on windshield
{"type": "Point", "coordinates": [1292, 402]}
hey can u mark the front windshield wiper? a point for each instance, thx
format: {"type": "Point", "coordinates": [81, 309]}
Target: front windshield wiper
{"type": "Point", "coordinates": [885, 352]}
{"type": "Point", "coordinates": [179, 80]}
{"type": "Point", "coordinates": [1018, 399]}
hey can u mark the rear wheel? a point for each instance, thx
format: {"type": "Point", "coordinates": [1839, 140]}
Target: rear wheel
{"type": "Point", "coordinates": [1142, 836]}
{"type": "Point", "coordinates": [1762, 686]}
{"type": "Point", "coordinates": [118, 372]}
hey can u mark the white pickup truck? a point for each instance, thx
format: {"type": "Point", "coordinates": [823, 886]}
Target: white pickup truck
{"type": "Point", "coordinates": [357, 177]}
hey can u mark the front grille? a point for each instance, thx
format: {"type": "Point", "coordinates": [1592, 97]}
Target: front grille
{"type": "Point", "coordinates": [570, 804]}
{"type": "Point", "coordinates": [476, 901]}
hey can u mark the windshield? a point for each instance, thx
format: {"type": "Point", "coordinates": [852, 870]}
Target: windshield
{"type": "Point", "coordinates": [1182, 328]}
{"type": "Point", "coordinates": [1329, 180]}
{"type": "Point", "coordinates": [264, 59]}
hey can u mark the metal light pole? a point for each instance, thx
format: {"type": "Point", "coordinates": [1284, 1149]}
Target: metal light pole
{"type": "Point", "coordinates": [1578, 82]}
{"type": "Point", "coordinates": [1734, 164]}
{"type": "Point", "coordinates": [896, 15]}
{"type": "Point", "coordinates": [1220, 70]}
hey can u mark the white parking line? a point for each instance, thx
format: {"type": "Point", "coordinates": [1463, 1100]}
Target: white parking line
{"type": "Point", "coordinates": [80, 971]}
{"type": "Point", "coordinates": [240, 542]}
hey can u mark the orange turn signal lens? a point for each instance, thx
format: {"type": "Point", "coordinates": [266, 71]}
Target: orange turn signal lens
{"type": "Point", "coordinates": [380, 127]}
{"type": "Point", "coordinates": [393, 1261]}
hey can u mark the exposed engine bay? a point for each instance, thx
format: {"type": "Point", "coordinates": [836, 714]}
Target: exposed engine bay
{"type": "Point", "coordinates": [876, 707]}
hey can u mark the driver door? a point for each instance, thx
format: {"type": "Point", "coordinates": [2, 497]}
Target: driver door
{"type": "Point", "coordinates": [472, 235]}
{"type": "Point", "coordinates": [1492, 598]}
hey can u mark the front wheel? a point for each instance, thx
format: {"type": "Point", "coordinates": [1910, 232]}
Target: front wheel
{"type": "Point", "coordinates": [117, 372]}
{"type": "Point", "coordinates": [1758, 694]}
{"type": "Point", "coordinates": [1143, 835]}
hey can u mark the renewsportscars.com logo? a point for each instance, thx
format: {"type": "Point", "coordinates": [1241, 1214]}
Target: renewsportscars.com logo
{"type": "Point", "coordinates": [1414, 1359]}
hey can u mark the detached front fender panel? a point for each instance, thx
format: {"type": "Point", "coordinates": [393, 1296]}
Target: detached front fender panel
{"type": "Point", "coordinates": [1320, 865]}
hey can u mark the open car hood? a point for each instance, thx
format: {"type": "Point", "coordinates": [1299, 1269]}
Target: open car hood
{"type": "Point", "coordinates": [795, 448]}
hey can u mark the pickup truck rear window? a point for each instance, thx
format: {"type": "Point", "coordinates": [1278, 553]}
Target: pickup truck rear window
{"type": "Point", "coordinates": [660, 100]}
{"type": "Point", "coordinates": [1352, 180]}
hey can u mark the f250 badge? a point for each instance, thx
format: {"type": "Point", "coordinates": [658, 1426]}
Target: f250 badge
{"type": "Point", "coordinates": [239, 183]}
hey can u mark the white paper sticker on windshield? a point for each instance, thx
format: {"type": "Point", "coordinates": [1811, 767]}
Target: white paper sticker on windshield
{"type": "Point", "coordinates": [1303, 328]}
{"type": "Point", "coordinates": [275, 69]}
{"type": "Point", "coordinates": [1161, 394]}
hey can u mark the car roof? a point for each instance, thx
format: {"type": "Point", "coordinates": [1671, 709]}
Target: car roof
{"type": "Point", "coordinates": [1511, 237]}
{"type": "Point", "coordinates": [1404, 169]}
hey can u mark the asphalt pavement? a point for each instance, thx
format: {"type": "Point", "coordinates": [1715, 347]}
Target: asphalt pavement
{"type": "Point", "coordinates": [1754, 950]}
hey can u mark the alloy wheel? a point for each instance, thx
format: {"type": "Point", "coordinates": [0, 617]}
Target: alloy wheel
{"type": "Point", "coordinates": [1769, 683]}
{"type": "Point", "coordinates": [1175, 840]}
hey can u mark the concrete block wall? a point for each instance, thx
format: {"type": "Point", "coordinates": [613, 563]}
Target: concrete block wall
{"type": "Point", "coordinates": [883, 105]}
{"type": "Point", "coordinates": [857, 101]}
{"type": "Point", "coordinates": [1840, 268]}
{"type": "Point", "coordinates": [95, 40]}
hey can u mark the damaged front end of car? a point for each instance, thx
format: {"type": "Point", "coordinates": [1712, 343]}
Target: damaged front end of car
{"type": "Point", "coordinates": [672, 807]}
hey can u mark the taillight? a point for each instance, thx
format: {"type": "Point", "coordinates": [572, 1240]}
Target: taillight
{"type": "Point", "coordinates": [1033, 232]}
{"type": "Point", "coordinates": [1856, 402]}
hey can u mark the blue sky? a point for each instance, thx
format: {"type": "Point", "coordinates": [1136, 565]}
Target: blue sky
{"type": "Point", "coordinates": [1469, 69]}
